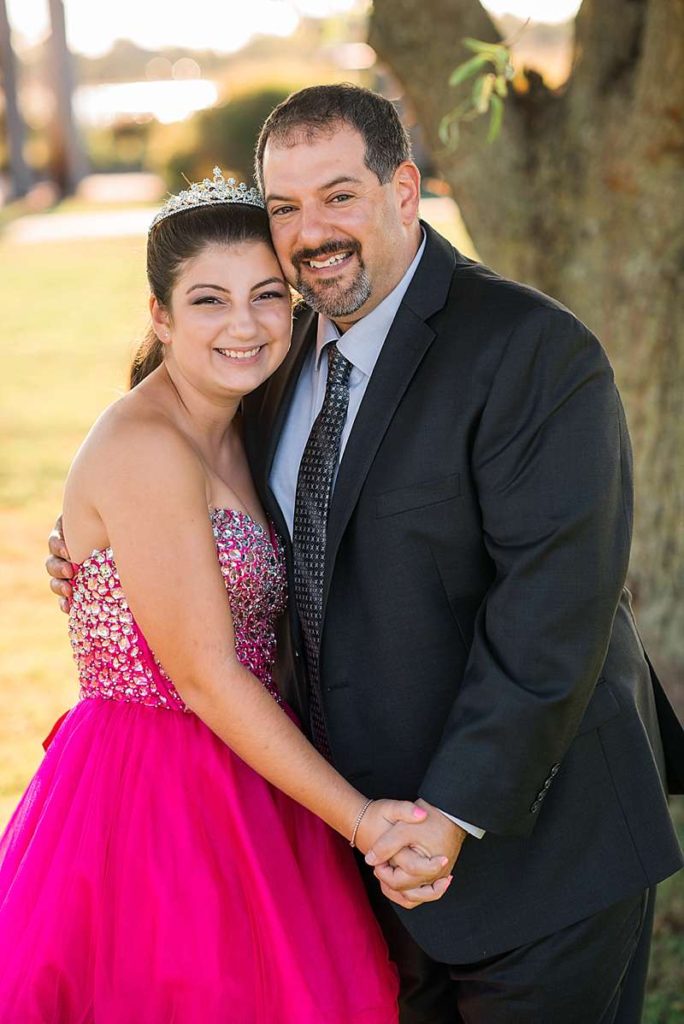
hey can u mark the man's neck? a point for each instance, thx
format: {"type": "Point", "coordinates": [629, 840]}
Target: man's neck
{"type": "Point", "coordinates": [413, 243]}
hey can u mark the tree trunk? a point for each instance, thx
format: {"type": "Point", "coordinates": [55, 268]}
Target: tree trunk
{"type": "Point", "coordinates": [16, 131]}
{"type": "Point", "coordinates": [581, 196]}
{"type": "Point", "coordinates": [67, 160]}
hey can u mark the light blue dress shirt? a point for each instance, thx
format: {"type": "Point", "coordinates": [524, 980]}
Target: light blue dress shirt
{"type": "Point", "coordinates": [361, 344]}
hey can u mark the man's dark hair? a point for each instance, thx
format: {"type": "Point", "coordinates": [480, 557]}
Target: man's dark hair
{"type": "Point", "coordinates": [321, 109]}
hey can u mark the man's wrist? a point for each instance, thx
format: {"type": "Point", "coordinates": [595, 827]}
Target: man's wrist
{"type": "Point", "coordinates": [472, 830]}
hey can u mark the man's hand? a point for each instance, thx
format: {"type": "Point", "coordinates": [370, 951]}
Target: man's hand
{"type": "Point", "coordinates": [59, 566]}
{"type": "Point", "coordinates": [385, 815]}
{"type": "Point", "coordinates": [410, 858]}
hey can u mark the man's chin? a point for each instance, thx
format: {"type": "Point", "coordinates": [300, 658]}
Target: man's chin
{"type": "Point", "coordinates": [331, 303]}
{"type": "Point", "coordinates": [334, 311]}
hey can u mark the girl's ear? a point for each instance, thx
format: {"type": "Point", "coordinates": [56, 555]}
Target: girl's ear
{"type": "Point", "coordinates": [160, 320]}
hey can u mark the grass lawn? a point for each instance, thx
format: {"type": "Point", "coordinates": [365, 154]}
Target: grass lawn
{"type": "Point", "coordinates": [72, 312]}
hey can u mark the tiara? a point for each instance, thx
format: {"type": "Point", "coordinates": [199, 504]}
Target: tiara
{"type": "Point", "coordinates": [209, 193]}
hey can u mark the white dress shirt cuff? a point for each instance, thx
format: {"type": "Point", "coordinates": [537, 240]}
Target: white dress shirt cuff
{"type": "Point", "coordinates": [472, 830]}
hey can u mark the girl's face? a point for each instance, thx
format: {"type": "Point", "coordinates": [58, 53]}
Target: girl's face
{"type": "Point", "coordinates": [230, 319]}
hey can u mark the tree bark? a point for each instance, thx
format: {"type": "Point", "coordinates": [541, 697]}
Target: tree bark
{"type": "Point", "coordinates": [581, 196]}
{"type": "Point", "coordinates": [67, 159]}
{"type": "Point", "coordinates": [16, 130]}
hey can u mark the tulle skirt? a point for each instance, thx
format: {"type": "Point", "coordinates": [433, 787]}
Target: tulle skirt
{"type": "Point", "coordinates": [149, 876]}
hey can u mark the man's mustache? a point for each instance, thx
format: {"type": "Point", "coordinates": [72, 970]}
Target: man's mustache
{"type": "Point", "coordinates": [323, 251]}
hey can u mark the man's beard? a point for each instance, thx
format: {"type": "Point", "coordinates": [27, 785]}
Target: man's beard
{"type": "Point", "coordinates": [326, 296]}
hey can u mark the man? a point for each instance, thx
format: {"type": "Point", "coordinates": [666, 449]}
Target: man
{"type": "Point", "coordinates": [448, 454]}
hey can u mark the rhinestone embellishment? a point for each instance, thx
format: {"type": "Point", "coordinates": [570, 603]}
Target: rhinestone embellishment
{"type": "Point", "coordinates": [216, 192]}
{"type": "Point", "coordinates": [112, 656]}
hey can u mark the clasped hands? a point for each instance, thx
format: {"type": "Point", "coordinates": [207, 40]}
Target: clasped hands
{"type": "Point", "coordinates": [412, 860]}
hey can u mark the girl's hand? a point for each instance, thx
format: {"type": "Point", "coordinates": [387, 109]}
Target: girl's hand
{"type": "Point", "coordinates": [381, 815]}
{"type": "Point", "coordinates": [378, 819]}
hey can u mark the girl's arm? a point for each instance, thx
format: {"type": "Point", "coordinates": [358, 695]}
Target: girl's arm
{"type": "Point", "coordinates": [151, 496]}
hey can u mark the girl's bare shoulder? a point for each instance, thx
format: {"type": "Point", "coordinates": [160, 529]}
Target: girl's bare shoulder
{"type": "Point", "coordinates": [134, 435]}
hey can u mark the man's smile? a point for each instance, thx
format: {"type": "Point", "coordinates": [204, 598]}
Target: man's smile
{"type": "Point", "coordinates": [332, 261]}
{"type": "Point", "coordinates": [328, 260]}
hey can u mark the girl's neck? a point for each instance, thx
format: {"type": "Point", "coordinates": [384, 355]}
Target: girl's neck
{"type": "Point", "coordinates": [212, 422]}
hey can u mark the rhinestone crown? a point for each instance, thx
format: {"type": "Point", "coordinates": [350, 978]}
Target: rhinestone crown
{"type": "Point", "coordinates": [209, 193]}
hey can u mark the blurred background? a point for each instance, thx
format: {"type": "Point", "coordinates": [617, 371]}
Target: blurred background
{"type": "Point", "coordinates": [106, 107]}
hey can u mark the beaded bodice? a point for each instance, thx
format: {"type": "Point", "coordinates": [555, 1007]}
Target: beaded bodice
{"type": "Point", "coordinates": [113, 658]}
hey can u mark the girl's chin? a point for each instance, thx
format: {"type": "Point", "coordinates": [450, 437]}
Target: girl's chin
{"type": "Point", "coordinates": [243, 378]}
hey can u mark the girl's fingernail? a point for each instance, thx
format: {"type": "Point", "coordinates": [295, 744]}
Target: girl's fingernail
{"type": "Point", "coordinates": [371, 858]}
{"type": "Point", "coordinates": [418, 812]}
{"type": "Point", "coordinates": [444, 861]}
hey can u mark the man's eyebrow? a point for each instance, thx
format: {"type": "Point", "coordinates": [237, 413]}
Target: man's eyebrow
{"type": "Point", "coordinates": [226, 291]}
{"type": "Point", "coordinates": [343, 179]}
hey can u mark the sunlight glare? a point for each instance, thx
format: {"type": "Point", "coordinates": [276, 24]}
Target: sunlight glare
{"type": "Point", "coordinates": [166, 101]}
{"type": "Point", "coordinates": [222, 27]}
{"type": "Point", "coordinates": [550, 11]}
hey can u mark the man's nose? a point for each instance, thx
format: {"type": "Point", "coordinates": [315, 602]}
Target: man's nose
{"type": "Point", "coordinates": [313, 225]}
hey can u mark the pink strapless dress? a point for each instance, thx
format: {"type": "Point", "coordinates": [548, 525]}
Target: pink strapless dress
{"type": "Point", "coordinates": [148, 875]}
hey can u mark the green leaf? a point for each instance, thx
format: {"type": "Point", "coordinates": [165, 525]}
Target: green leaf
{"type": "Point", "coordinates": [491, 69]}
{"type": "Point", "coordinates": [465, 70]}
{"type": "Point", "coordinates": [501, 86]}
{"type": "Point", "coordinates": [478, 46]}
{"type": "Point", "coordinates": [482, 92]}
{"type": "Point", "coordinates": [449, 131]}
{"type": "Point", "coordinates": [495, 117]}
{"type": "Point", "coordinates": [501, 62]}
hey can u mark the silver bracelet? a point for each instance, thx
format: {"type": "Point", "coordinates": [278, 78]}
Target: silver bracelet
{"type": "Point", "coordinates": [359, 816]}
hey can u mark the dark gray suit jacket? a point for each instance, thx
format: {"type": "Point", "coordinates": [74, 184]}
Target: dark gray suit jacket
{"type": "Point", "coordinates": [478, 646]}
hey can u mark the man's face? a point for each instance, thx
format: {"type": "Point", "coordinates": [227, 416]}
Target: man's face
{"type": "Point", "coordinates": [341, 237]}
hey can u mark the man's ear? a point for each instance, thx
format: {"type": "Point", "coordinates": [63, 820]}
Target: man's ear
{"type": "Point", "coordinates": [407, 188]}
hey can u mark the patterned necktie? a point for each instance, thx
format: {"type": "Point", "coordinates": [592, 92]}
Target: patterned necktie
{"type": "Point", "coordinates": [312, 505]}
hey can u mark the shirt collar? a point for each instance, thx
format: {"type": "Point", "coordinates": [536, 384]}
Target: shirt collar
{"type": "Point", "coordinates": [363, 342]}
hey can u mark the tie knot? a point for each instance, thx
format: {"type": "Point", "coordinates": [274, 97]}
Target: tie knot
{"type": "Point", "coordinates": [339, 367]}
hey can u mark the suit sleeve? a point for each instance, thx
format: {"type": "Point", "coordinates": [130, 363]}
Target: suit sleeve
{"type": "Point", "coordinates": [552, 467]}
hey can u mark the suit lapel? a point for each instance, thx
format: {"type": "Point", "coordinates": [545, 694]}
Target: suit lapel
{"type": "Point", "coordinates": [406, 344]}
{"type": "Point", "coordinates": [408, 340]}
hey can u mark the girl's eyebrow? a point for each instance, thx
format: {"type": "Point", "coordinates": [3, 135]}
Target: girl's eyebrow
{"type": "Point", "coordinates": [219, 288]}
{"type": "Point", "coordinates": [216, 286]}
{"type": "Point", "coordinates": [268, 280]}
